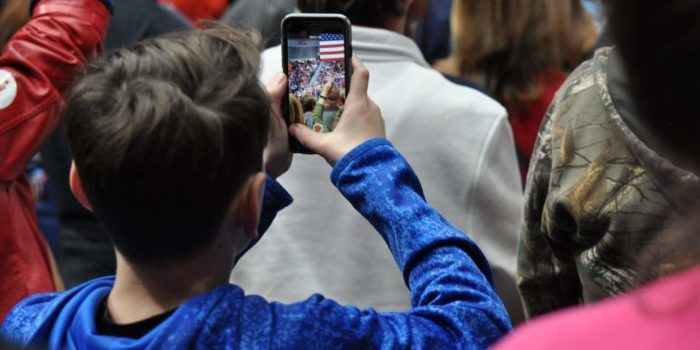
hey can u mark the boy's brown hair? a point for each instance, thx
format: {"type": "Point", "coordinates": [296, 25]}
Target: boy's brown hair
{"type": "Point", "coordinates": [164, 134]}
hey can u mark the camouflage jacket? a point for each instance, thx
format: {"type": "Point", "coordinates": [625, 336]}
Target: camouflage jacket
{"type": "Point", "coordinates": [601, 205]}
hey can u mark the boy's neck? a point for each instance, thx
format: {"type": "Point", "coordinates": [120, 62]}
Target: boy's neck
{"type": "Point", "coordinates": [140, 293]}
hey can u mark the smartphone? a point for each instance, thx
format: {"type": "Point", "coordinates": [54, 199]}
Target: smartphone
{"type": "Point", "coordinates": [316, 57]}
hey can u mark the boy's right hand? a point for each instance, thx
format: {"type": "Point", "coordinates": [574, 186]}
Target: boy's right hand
{"type": "Point", "coordinates": [361, 121]}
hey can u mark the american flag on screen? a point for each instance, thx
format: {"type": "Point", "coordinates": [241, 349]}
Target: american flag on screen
{"type": "Point", "coordinates": [332, 47]}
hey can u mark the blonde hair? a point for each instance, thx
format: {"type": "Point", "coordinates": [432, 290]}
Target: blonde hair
{"type": "Point", "coordinates": [505, 45]}
{"type": "Point", "coordinates": [296, 110]}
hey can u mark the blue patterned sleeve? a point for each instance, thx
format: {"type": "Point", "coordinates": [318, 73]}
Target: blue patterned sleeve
{"type": "Point", "coordinates": [454, 304]}
{"type": "Point", "coordinates": [275, 198]}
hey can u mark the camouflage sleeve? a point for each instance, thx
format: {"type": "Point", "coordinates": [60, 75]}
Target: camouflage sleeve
{"type": "Point", "coordinates": [318, 113]}
{"type": "Point", "coordinates": [547, 280]}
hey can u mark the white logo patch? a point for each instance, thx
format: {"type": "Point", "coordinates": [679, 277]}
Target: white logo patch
{"type": "Point", "coordinates": [8, 89]}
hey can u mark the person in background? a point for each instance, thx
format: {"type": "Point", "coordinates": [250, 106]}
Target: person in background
{"type": "Point", "coordinates": [13, 15]}
{"type": "Point", "coordinates": [599, 12]}
{"type": "Point", "coordinates": [198, 10]}
{"type": "Point", "coordinates": [614, 173]}
{"type": "Point", "coordinates": [414, 15]}
{"type": "Point", "coordinates": [432, 32]}
{"type": "Point", "coordinates": [328, 108]}
{"type": "Point", "coordinates": [34, 71]}
{"type": "Point", "coordinates": [652, 133]}
{"type": "Point", "coordinates": [215, 133]}
{"type": "Point", "coordinates": [457, 139]}
{"type": "Point", "coordinates": [46, 209]}
{"type": "Point", "coordinates": [135, 20]}
{"type": "Point", "coordinates": [86, 251]}
{"type": "Point", "coordinates": [308, 106]}
{"type": "Point", "coordinates": [662, 314]}
{"type": "Point", "coordinates": [521, 52]}
{"type": "Point", "coordinates": [263, 16]}
{"type": "Point", "coordinates": [596, 10]}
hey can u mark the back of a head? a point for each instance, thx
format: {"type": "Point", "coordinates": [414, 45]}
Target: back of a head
{"type": "Point", "coordinates": [659, 43]}
{"type": "Point", "coordinates": [368, 13]}
{"type": "Point", "coordinates": [506, 44]}
{"type": "Point", "coordinates": [164, 134]}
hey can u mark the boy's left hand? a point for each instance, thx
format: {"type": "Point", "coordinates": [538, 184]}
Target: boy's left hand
{"type": "Point", "coordinates": [277, 156]}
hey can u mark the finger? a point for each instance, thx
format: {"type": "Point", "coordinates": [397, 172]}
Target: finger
{"type": "Point", "coordinates": [360, 79]}
{"type": "Point", "coordinates": [276, 86]}
{"type": "Point", "coordinates": [306, 137]}
{"type": "Point", "coordinates": [278, 124]}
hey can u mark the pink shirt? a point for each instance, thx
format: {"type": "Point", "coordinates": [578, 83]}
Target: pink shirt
{"type": "Point", "coordinates": [663, 315]}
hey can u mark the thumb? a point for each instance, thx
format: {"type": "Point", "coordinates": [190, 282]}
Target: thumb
{"type": "Point", "coordinates": [307, 137]}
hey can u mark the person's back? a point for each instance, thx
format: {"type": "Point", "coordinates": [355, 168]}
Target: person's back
{"type": "Point", "coordinates": [662, 315]}
{"type": "Point", "coordinates": [263, 16]}
{"type": "Point", "coordinates": [459, 142]}
{"type": "Point", "coordinates": [520, 51]}
{"type": "Point", "coordinates": [610, 184]}
{"type": "Point", "coordinates": [172, 139]}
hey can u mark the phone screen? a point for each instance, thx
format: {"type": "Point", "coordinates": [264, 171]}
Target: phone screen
{"type": "Point", "coordinates": [316, 64]}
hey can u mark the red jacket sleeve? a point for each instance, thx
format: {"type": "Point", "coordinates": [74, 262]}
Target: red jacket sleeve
{"type": "Point", "coordinates": [36, 66]}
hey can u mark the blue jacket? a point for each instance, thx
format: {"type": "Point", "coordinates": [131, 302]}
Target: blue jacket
{"type": "Point", "coordinates": [454, 304]}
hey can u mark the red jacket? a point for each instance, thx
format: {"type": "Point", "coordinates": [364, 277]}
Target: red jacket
{"type": "Point", "coordinates": [35, 67]}
{"type": "Point", "coordinates": [197, 10]}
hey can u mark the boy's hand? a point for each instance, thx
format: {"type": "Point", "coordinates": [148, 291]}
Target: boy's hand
{"type": "Point", "coordinates": [277, 156]}
{"type": "Point", "coordinates": [361, 121]}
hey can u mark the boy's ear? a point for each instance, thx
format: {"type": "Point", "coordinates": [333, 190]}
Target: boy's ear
{"type": "Point", "coordinates": [76, 186]}
{"type": "Point", "coordinates": [249, 204]}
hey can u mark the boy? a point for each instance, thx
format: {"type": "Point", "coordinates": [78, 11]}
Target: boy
{"type": "Point", "coordinates": [168, 139]}
{"type": "Point", "coordinates": [458, 140]}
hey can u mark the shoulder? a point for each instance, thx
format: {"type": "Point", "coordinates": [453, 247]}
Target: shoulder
{"type": "Point", "coordinates": [663, 314]}
{"type": "Point", "coordinates": [415, 89]}
{"type": "Point", "coordinates": [579, 102]}
{"type": "Point", "coordinates": [465, 99]}
{"type": "Point", "coordinates": [583, 86]}
{"type": "Point", "coordinates": [271, 61]}
{"type": "Point", "coordinates": [576, 328]}
{"type": "Point", "coordinates": [26, 317]}
{"type": "Point", "coordinates": [41, 312]}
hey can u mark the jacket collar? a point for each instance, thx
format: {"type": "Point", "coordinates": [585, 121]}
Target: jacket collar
{"type": "Point", "coordinates": [680, 186]}
{"type": "Point", "coordinates": [381, 45]}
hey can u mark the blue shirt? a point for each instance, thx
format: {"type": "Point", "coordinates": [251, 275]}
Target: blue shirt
{"type": "Point", "coordinates": [454, 304]}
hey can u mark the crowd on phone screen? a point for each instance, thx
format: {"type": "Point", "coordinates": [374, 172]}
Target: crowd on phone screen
{"type": "Point", "coordinates": [303, 70]}
{"type": "Point", "coordinates": [300, 75]}
{"type": "Point", "coordinates": [524, 158]}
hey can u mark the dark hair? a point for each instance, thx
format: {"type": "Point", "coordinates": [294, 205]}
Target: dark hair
{"type": "Point", "coordinates": [164, 134]}
{"type": "Point", "coordinates": [660, 47]}
{"type": "Point", "coordinates": [370, 13]}
{"type": "Point", "coordinates": [309, 104]}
